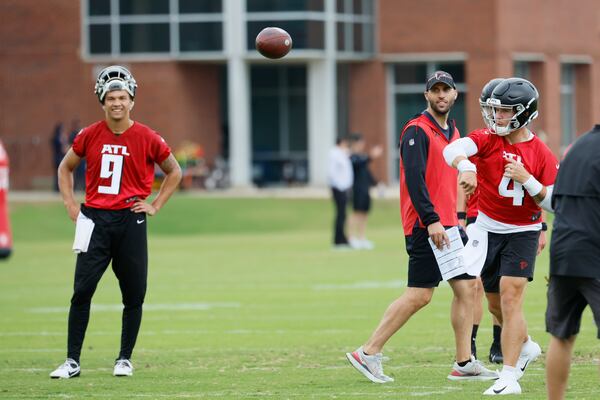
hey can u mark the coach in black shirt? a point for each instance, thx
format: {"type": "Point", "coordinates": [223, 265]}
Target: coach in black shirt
{"type": "Point", "coordinates": [574, 255]}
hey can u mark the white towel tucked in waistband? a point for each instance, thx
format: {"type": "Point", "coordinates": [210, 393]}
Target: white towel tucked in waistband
{"type": "Point", "coordinates": [475, 251]}
{"type": "Point", "coordinates": [83, 233]}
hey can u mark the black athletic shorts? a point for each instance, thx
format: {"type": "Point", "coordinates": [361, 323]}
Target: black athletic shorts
{"type": "Point", "coordinates": [361, 200]}
{"type": "Point", "coordinates": [509, 254]}
{"type": "Point", "coordinates": [567, 298]}
{"type": "Point", "coordinates": [423, 271]}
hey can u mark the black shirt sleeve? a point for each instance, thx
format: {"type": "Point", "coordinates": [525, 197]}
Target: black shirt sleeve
{"type": "Point", "coordinates": [414, 149]}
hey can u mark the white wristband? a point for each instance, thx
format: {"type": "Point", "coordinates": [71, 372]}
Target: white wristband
{"type": "Point", "coordinates": [466, 165]}
{"type": "Point", "coordinates": [533, 186]}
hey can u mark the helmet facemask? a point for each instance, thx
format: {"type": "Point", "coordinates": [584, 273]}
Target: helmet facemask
{"type": "Point", "coordinates": [113, 78]}
{"type": "Point", "coordinates": [487, 114]}
{"type": "Point", "coordinates": [519, 118]}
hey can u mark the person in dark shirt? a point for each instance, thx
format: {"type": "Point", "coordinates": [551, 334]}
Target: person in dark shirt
{"type": "Point", "coordinates": [60, 145]}
{"type": "Point", "coordinates": [574, 256]}
{"type": "Point", "coordinates": [361, 199]}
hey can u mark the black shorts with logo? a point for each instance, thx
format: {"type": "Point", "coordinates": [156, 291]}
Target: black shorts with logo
{"type": "Point", "coordinates": [423, 271]}
{"type": "Point", "coordinates": [509, 254]}
{"type": "Point", "coordinates": [567, 298]}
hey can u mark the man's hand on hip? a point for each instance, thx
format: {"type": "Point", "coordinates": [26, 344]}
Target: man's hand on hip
{"type": "Point", "coordinates": [141, 206]}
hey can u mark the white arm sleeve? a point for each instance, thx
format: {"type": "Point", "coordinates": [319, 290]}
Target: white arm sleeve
{"type": "Point", "coordinates": [465, 147]}
{"type": "Point", "coordinates": [546, 204]}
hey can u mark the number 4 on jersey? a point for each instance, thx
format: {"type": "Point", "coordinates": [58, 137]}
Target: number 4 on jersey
{"type": "Point", "coordinates": [111, 167]}
{"type": "Point", "coordinates": [517, 193]}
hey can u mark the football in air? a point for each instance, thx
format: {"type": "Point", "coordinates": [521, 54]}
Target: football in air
{"type": "Point", "coordinates": [273, 42]}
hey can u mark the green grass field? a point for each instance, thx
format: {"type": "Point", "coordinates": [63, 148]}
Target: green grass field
{"type": "Point", "coordinates": [246, 299]}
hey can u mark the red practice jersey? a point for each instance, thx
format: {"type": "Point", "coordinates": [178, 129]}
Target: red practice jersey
{"type": "Point", "coordinates": [473, 204]}
{"type": "Point", "coordinates": [120, 168]}
{"type": "Point", "coordinates": [473, 200]}
{"type": "Point", "coordinates": [440, 179]}
{"type": "Point", "coordinates": [500, 198]}
{"type": "Point", "coordinates": [5, 233]}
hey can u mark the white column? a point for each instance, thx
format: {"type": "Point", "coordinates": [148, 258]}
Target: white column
{"type": "Point", "coordinates": [322, 107]}
{"type": "Point", "coordinates": [238, 90]}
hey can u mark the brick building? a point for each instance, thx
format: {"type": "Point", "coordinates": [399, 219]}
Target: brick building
{"type": "Point", "coordinates": [357, 65]}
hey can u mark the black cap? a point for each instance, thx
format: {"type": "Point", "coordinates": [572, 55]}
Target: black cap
{"type": "Point", "coordinates": [440, 77]}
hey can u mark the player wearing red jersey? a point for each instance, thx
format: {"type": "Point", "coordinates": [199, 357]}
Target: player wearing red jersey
{"type": "Point", "coordinates": [467, 210]}
{"type": "Point", "coordinates": [428, 207]}
{"type": "Point", "coordinates": [111, 224]}
{"type": "Point", "coordinates": [515, 172]}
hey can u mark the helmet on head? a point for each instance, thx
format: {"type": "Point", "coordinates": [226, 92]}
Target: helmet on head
{"type": "Point", "coordinates": [112, 78]}
{"type": "Point", "coordinates": [518, 95]}
{"type": "Point", "coordinates": [486, 93]}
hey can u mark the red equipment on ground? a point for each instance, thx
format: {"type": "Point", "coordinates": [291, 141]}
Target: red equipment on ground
{"type": "Point", "coordinates": [5, 234]}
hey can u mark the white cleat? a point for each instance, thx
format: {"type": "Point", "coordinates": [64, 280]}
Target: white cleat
{"type": "Point", "coordinates": [356, 244]}
{"type": "Point", "coordinates": [123, 368]}
{"type": "Point", "coordinates": [473, 371]}
{"type": "Point", "coordinates": [366, 244]}
{"type": "Point", "coordinates": [69, 369]}
{"type": "Point", "coordinates": [369, 366]}
{"type": "Point", "coordinates": [506, 384]}
{"type": "Point", "coordinates": [530, 351]}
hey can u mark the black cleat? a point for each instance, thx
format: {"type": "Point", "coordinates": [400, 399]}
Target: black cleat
{"type": "Point", "coordinates": [496, 354]}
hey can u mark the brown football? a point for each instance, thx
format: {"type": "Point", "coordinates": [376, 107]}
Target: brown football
{"type": "Point", "coordinates": [273, 42]}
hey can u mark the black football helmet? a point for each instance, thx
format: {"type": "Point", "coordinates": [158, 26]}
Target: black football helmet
{"type": "Point", "coordinates": [518, 95]}
{"type": "Point", "coordinates": [112, 78]}
{"type": "Point", "coordinates": [486, 93]}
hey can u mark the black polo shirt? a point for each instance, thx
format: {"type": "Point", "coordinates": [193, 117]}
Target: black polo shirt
{"type": "Point", "coordinates": [575, 244]}
{"type": "Point", "coordinates": [363, 179]}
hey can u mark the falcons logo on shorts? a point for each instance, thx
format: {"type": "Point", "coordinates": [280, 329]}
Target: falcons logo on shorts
{"type": "Point", "coordinates": [523, 264]}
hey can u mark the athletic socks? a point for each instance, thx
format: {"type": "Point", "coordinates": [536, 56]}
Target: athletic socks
{"type": "Point", "coordinates": [497, 334]}
{"type": "Point", "coordinates": [474, 332]}
{"type": "Point", "coordinates": [473, 339]}
{"type": "Point", "coordinates": [463, 363]}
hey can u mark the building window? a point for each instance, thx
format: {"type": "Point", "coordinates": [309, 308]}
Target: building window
{"type": "Point", "coordinates": [99, 7]}
{"type": "Point", "coordinates": [354, 25]}
{"type": "Point", "coordinates": [408, 86]}
{"type": "Point", "coordinates": [279, 124]}
{"type": "Point", "coordinates": [145, 38]}
{"type": "Point", "coordinates": [200, 6]}
{"type": "Point", "coordinates": [149, 27]}
{"type": "Point", "coordinates": [284, 5]}
{"type": "Point", "coordinates": [200, 36]}
{"type": "Point", "coordinates": [143, 7]}
{"type": "Point", "coordinates": [305, 20]}
{"type": "Point", "coordinates": [100, 39]}
{"type": "Point", "coordinates": [567, 104]}
{"type": "Point", "coordinates": [522, 69]}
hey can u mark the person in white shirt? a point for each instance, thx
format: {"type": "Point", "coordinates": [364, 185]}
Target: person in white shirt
{"type": "Point", "coordinates": [340, 177]}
